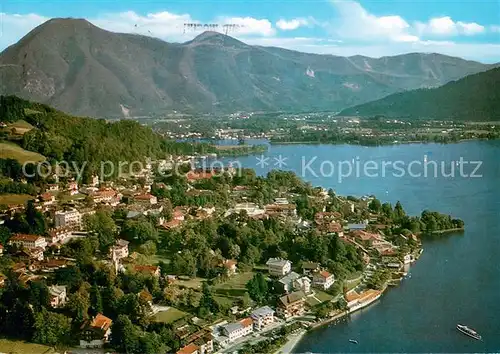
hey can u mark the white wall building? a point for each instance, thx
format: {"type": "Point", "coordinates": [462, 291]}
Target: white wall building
{"type": "Point", "coordinates": [70, 218]}
{"type": "Point", "coordinates": [278, 266]}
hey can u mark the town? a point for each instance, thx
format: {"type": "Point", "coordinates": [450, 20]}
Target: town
{"type": "Point", "coordinates": [198, 262]}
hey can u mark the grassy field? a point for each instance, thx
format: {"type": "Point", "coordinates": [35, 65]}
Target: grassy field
{"type": "Point", "coordinates": [12, 346]}
{"type": "Point", "coordinates": [14, 199]}
{"type": "Point", "coordinates": [323, 296]}
{"type": "Point", "coordinates": [169, 316]}
{"type": "Point", "coordinates": [13, 151]}
{"type": "Point", "coordinates": [193, 283]}
{"type": "Point", "coordinates": [235, 286]}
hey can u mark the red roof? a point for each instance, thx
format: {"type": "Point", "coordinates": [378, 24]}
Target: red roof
{"type": "Point", "coordinates": [25, 237]}
{"type": "Point", "coordinates": [325, 274]}
{"type": "Point", "coordinates": [102, 322]}
{"type": "Point", "coordinates": [194, 176]}
{"type": "Point", "coordinates": [146, 268]}
{"type": "Point", "coordinates": [144, 197]}
{"type": "Point", "coordinates": [46, 196]}
{"type": "Point", "coordinates": [246, 322]}
{"type": "Point", "coordinates": [189, 349]}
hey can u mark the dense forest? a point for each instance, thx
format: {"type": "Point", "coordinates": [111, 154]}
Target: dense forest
{"type": "Point", "coordinates": [473, 98]}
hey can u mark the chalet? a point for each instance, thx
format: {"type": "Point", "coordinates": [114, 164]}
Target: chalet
{"type": "Point", "coordinates": [96, 332]}
{"type": "Point", "coordinates": [323, 280]}
{"type": "Point", "coordinates": [28, 241]}
{"type": "Point", "coordinates": [57, 295]}
{"type": "Point", "coordinates": [291, 305]}
{"type": "Point", "coordinates": [1, 250]}
{"type": "Point", "coordinates": [239, 329]}
{"type": "Point", "coordinates": [262, 317]}
{"type": "Point", "coordinates": [2, 280]}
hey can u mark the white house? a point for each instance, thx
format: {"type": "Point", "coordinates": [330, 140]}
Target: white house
{"type": "Point", "coordinates": [239, 329]}
{"type": "Point", "coordinates": [302, 283]}
{"type": "Point", "coordinates": [120, 249]}
{"type": "Point", "coordinates": [278, 266]}
{"type": "Point", "coordinates": [28, 241]}
{"type": "Point", "coordinates": [57, 295]}
{"type": "Point", "coordinates": [262, 317]}
{"type": "Point", "coordinates": [323, 280]}
{"type": "Point", "coordinates": [69, 218]}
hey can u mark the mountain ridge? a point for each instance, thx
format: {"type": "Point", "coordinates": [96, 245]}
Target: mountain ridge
{"type": "Point", "coordinates": [82, 69]}
{"type": "Point", "coordinates": [472, 98]}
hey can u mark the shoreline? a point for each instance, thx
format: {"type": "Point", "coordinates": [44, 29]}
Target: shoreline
{"type": "Point", "coordinates": [309, 142]}
{"type": "Point", "coordinates": [292, 343]}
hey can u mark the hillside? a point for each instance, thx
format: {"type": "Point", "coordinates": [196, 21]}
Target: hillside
{"type": "Point", "coordinates": [80, 68]}
{"type": "Point", "coordinates": [473, 98]}
{"type": "Point", "coordinates": [61, 137]}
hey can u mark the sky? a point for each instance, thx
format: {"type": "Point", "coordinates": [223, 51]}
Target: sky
{"type": "Point", "coordinates": [466, 28]}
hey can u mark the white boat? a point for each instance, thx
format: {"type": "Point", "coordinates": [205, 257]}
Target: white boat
{"type": "Point", "coordinates": [468, 331]}
{"type": "Point", "coordinates": [354, 341]}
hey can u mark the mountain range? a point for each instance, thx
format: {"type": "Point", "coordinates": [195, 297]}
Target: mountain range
{"type": "Point", "coordinates": [472, 98]}
{"type": "Point", "coordinates": [85, 70]}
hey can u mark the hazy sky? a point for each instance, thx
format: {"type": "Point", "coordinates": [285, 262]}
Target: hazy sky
{"type": "Point", "coordinates": [469, 29]}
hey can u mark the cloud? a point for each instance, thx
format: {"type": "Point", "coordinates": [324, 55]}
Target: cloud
{"type": "Point", "coordinates": [291, 25]}
{"type": "Point", "coordinates": [161, 24]}
{"type": "Point", "coordinates": [495, 29]}
{"type": "Point", "coordinates": [445, 26]}
{"type": "Point", "coordinates": [355, 22]}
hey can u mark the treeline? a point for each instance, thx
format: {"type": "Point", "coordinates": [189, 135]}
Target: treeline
{"type": "Point", "coordinates": [401, 223]}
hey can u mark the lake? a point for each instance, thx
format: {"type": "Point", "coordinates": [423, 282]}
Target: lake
{"type": "Point", "coordinates": [457, 279]}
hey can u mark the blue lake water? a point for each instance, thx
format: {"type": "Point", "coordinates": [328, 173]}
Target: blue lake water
{"type": "Point", "coordinates": [457, 279]}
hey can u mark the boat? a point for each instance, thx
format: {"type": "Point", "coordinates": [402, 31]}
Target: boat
{"type": "Point", "coordinates": [353, 341]}
{"type": "Point", "coordinates": [468, 331]}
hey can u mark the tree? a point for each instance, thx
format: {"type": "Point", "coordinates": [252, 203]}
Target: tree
{"type": "Point", "coordinates": [51, 328]}
{"type": "Point", "coordinates": [207, 300]}
{"type": "Point", "coordinates": [399, 213]}
{"type": "Point", "coordinates": [375, 205]}
{"type": "Point", "coordinates": [103, 225]}
{"type": "Point", "coordinates": [139, 231]}
{"type": "Point", "coordinates": [124, 335]}
{"type": "Point", "coordinates": [39, 295]}
{"type": "Point", "coordinates": [257, 288]}
{"type": "Point", "coordinates": [95, 301]}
